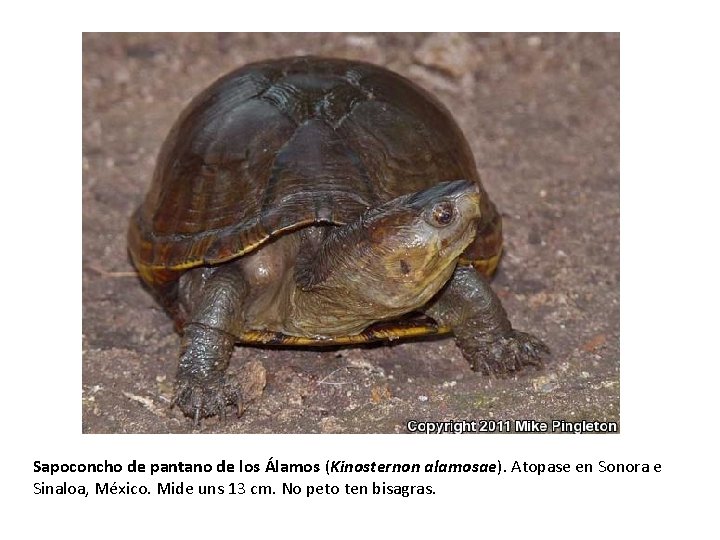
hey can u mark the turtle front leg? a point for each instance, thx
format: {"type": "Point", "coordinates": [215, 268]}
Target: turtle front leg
{"type": "Point", "coordinates": [213, 300]}
{"type": "Point", "coordinates": [202, 387]}
{"type": "Point", "coordinates": [482, 330]}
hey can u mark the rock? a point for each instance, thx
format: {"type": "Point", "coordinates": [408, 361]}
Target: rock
{"type": "Point", "coordinates": [380, 393]}
{"type": "Point", "coordinates": [594, 343]}
{"type": "Point", "coordinates": [252, 378]}
{"type": "Point", "coordinates": [545, 383]}
{"type": "Point", "coordinates": [452, 53]}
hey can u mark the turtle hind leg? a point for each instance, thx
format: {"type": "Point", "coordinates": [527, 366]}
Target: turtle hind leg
{"type": "Point", "coordinates": [482, 330]}
{"type": "Point", "coordinates": [213, 300]}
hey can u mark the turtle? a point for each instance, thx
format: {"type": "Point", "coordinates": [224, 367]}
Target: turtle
{"type": "Point", "coordinates": [310, 201]}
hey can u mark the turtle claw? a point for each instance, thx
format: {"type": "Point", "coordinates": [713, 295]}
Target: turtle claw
{"type": "Point", "coordinates": [507, 354]}
{"type": "Point", "coordinates": [200, 398]}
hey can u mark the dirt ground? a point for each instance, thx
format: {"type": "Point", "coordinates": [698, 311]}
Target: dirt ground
{"type": "Point", "coordinates": [541, 113]}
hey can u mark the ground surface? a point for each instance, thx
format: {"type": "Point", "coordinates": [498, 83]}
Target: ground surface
{"type": "Point", "coordinates": [541, 113]}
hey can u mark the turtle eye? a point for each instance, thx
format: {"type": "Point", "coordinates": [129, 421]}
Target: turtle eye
{"type": "Point", "coordinates": [442, 214]}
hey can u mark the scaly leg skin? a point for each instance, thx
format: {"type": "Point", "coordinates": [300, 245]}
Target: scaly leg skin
{"type": "Point", "coordinates": [482, 330]}
{"type": "Point", "coordinates": [202, 387]}
{"type": "Point", "coordinates": [213, 299]}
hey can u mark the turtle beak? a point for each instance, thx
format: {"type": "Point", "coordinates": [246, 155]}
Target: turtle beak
{"type": "Point", "coordinates": [485, 252]}
{"type": "Point", "coordinates": [468, 201]}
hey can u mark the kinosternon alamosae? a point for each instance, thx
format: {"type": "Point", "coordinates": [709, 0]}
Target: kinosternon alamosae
{"type": "Point", "coordinates": [315, 201]}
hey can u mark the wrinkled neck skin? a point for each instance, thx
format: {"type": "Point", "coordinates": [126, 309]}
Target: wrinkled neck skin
{"type": "Point", "coordinates": [351, 282]}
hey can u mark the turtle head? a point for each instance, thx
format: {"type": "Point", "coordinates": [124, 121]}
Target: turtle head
{"type": "Point", "coordinates": [414, 241]}
{"type": "Point", "coordinates": [392, 260]}
{"type": "Point", "coordinates": [396, 256]}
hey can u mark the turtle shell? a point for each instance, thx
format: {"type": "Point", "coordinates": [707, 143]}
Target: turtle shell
{"type": "Point", "coordinates": [282, 144]}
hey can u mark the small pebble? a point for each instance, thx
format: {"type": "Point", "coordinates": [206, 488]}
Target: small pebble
{"type": "Point", "coordinates": [545, 383]}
